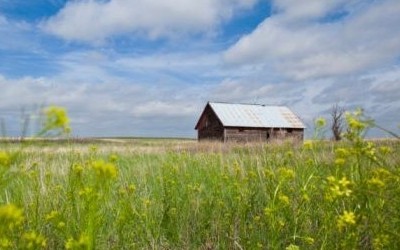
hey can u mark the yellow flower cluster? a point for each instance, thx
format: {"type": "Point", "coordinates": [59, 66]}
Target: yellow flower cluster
{"type": "Point", "coordinates": [370, 151]}
{"type": "Point", "coordinates": [52, 215]}
{"type": "Point", "coordinates": [54, 218]}
{"type": "Point", "coordinates": [308, 144]}
{"type": "Point", "coordinates": [81, 243]}
{"type": "Point", "coordinates": [355, 124]}
{"type": "Point", "coordinates": [341, 155]}
{"type": "Point", "coordinates": [320, 122]}
{"type": "Point", "coordinates": [10, 216]}
{"type": "Point", "coordinates": [105, 169]}
{"type": "Point", "coordinates": [385, 150]}
{"type": "Point", "coordinates": [338, 187]}
{"type": "Point", "coordinates": [284, 199]}
{"type": "Point", "coordinates": [77, 169]}
{"type": "Point", "coordinates": [56, 119]}
{"type": "Point", "coordinates": [346, 219]}
{"type": "Point", "coordinates": [376, 182]}
{"type": "Point", "coordinates": [5, 243]}
{"type": "Point", "coordinates": [381, 242]}
{"type": "Point", "coordinates": [5, 159]}
{"type": "Point", "coordinates": [33, 240]}
{"type": "Point", "coordinates": [379, 178]}
{"type": "Point", "coordinates": [85, 192]}
{"type": "Point", "coordinates": [292, 247]}
{"type": "Point", "coordinates": [286, 173]}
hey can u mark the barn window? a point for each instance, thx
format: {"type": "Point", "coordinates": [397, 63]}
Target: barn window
{"type": "Point", "coordinates": [289, 130]}
{"type": "Point", "coordinates": [241, 129]}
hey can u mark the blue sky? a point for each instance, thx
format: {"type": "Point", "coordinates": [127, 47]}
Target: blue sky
{"type": "Point", "coordinates": [147, 68]}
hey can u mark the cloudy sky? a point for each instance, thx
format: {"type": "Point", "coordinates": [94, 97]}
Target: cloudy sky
{"type": "Point", "coordinates": [148, 67]}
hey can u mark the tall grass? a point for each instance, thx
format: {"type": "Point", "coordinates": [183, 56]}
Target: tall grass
{"type": "Point", "coordinates": [320, 195]}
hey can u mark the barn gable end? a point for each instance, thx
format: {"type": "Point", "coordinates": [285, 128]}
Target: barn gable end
{"type": "Point", "coordinates": [209, 126]}
{"type": "Point", "coordinates": [246, 122]}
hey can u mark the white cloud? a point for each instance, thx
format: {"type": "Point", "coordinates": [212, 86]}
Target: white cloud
{"type": "Point", "coordinates": [105, 108]}
{"type": "Point", "coordinates": [93, 21]}
{"type": "Point", "coordinates": [295, 10]}
{"type": "Point", "coordinates": [305, 48]}
{"type": "Point", "coordinates": [164, 109]}
{"type": "Point", "coordinates": [13, 35]}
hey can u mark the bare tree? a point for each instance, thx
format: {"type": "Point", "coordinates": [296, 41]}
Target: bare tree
{"type": "Point", "coordinates": [337, 115]}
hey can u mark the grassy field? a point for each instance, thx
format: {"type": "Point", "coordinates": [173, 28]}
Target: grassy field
{"type": "Point", "coordinates": [172, 194]}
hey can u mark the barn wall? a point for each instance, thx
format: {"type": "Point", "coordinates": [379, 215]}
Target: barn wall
{"type": "Point", "coordinates": [277, 134]}
{"type": "Point", "coordinates": [245, 134]}
{"type": "Point", "coordinates": [210, 128]}
{"type": "Point", "coordinates": [263, 134]}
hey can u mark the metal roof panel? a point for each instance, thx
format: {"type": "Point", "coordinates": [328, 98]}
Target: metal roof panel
{"type": "Point", "coordinates": [249, 115]}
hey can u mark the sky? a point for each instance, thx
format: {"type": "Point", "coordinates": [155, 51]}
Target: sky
{"type": "Point", "coordinates": [148, 67]}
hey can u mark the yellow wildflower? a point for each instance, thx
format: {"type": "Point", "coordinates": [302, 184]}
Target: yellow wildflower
{"type": "Point", "coordinates": [347, 218]}
{"type": "Point", "coordinates": [292, 247]}
{"type": "Point", "coordinates": [340, 161]}
{"type": "Point", "coordinates": [146, 202]}
{"type": "Point", "coordinates": [105, 169]}
{"type": "Point", "coordinates": [385, 150]}
{"type": "Point", "coordinates": [338, 188]}
{"type": "Point", "coordinates": [375, 182]}
{"type": "Point", "coordinates": [286, 173]}
{"type": "Point", "coordinates": [33, 240]}
{"type": "Point", "coordinates": [56, 119]}
{"type": "Point", "coordinates": [77, 168]}
{"type": "Point", "coordinates": [306, 197]}
{"type": "Point", "coordinates": [11, 216]}
{"type": "Point", "coordinates": [113, 158]}
{"type": "Point", "coordinates": [331, 178]}
{"type": "Point", "coordinates": [5, 159]}
{"type": "Point", "coordinates": [5, 243]}
{"type": "Point", "coordinates": [381, 242]}
{"type": "Point", "coordinates": [344, 182]}
{"type": "Point", "coordinates": [284, 199]}
{"type": "Point", "coordinates": [308, 145]}
{"type": "Point", "coordinates": [52, 215]}
{"type": "Point", "coordinates": [85, 191]}
{"type": "Point", "coordinates": [268, 211]}
{"type": "Point", "coordinates": [81, 243]}
{"type": "Point", "coordinates": [342, 152]}
{"type": "Point", "coordinates": [309, 240]}
{"type": "Point", "coordinates": [132, 188]}
{"type": "Point", "coordinates": [61, 225]}
{"type": "Point", "coordinates": [320, 122]}
{"type": "Point", "coordinates": [354, 123]}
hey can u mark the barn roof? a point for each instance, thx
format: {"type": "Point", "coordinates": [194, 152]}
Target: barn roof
{"type": "Point", "coordinates": [255, 115]}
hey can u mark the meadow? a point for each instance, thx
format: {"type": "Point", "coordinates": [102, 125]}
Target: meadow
{"type": "Point", "coordinates": [181, 194]}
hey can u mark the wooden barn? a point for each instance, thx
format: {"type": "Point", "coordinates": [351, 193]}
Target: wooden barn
{"type": "Point", "coordinates": [230, 122]}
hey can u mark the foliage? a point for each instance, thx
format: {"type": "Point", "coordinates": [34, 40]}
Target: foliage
{"type": "Point", "coordinates": [56, 121]}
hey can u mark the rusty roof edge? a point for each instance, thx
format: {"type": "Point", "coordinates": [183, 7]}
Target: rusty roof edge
{"type": "Point", "coordinates": [298, 117]}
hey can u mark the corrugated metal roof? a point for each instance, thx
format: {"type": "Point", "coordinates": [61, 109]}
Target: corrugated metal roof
{"type": "Point", "coordinates": [260, 116]}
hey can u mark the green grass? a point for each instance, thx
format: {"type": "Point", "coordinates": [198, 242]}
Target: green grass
{"type": "Point", "coordinates": [183, 196]}
{"type": "Point", "coordinates": [180, 194]}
